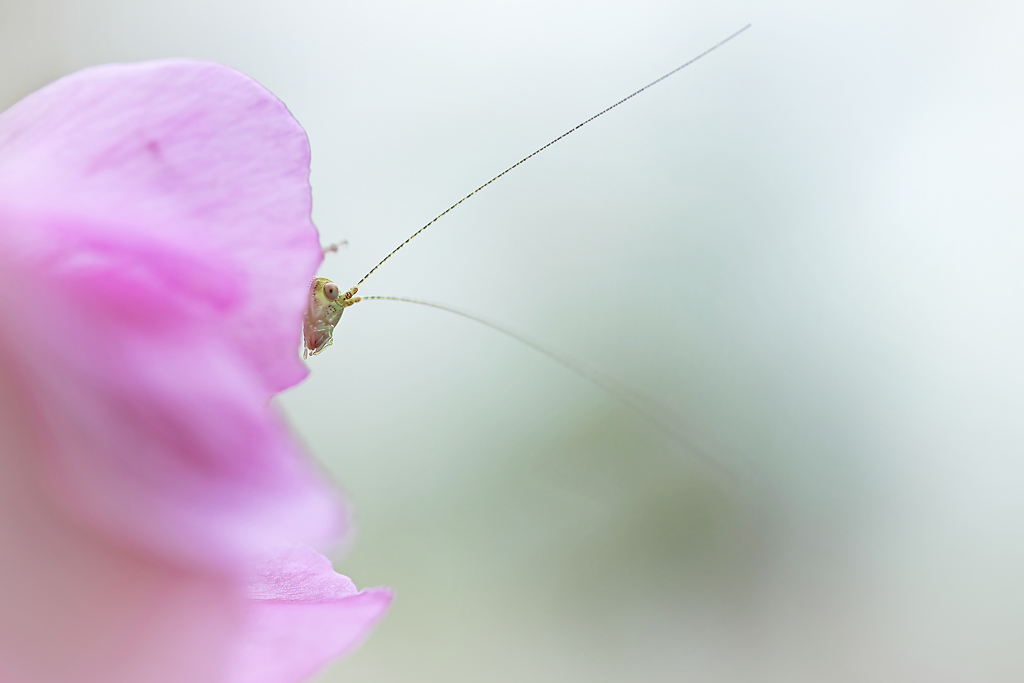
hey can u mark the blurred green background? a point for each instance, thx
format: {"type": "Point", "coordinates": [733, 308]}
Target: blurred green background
{"type": "Point", "coordinates": [805, 251]}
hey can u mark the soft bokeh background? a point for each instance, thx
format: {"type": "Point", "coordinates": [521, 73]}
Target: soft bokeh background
{"type": "Point", "coordinates": [805, 251]}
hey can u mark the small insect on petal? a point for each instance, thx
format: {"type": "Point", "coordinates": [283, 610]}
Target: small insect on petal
{"type": "Point", "coordinates": [325, 307]}
{"type": "Point", "coordinates": [326, 304]}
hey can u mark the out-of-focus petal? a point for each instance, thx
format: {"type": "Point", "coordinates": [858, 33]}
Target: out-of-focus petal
{"type": "Point", "coordinates": [75, 606]}
{"type": "Point", "coordinates": [157, 248]}
{"type": "Point", "coordinates": [186, 156]}
{"type": "Point", "coordinates": [155, 255]}
{"type": "Point", "coordinates": [300, 615]}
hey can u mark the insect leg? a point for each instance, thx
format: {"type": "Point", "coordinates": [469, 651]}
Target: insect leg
{"type": "Point", "coordinates": [333, 247]}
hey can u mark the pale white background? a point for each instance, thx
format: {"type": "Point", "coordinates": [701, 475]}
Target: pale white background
{"type": "Point", "coordinates": [805, 250]}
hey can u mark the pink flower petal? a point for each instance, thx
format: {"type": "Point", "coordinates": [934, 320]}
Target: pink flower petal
{"type": "Point", "coordinates": [155, 231]}
{"type": "Point", "coordinates": [182, 155]}
{"type": "Point", "coordinates": [301, 615]}
{"type": "Point", "coordinates": [75, 606]}
{"type": "Point", "coordinates": [155, 255]}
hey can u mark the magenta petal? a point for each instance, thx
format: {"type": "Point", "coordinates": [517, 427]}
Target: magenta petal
{"type": "Point", "coordinates": [301, 614]}
{"type": "Point", "coordinates": [156, 242]}
{"type": "Point", "coordinates": [181, 154]}
{"type": "Point", "coordinates": [156, 250]}
{"type": "Point", "coordinates": [75, 606]}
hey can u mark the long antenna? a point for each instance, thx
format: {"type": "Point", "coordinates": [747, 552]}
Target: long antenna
{"type": "Point", "coordinates": [530, 156]}
{"type": "Point", "coordinates": [615, 390]}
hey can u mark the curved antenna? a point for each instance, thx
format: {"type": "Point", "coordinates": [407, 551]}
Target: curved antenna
{"type": "Point", "coordinates": [617, 391]}
{"type": "Point", "coordinates": [538, 151]}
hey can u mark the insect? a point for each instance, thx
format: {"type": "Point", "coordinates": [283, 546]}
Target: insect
{"type": "Point", "coordinates": [327, 301]}
{"type": "Point", "coordinates": [326, 304]}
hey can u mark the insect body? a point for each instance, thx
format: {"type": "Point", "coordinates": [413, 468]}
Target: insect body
{"type": "Point", "coordinates": [326, 304]}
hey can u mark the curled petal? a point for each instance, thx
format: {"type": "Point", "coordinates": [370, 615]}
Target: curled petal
{"type": "Point", "coordinates": [300, 615]}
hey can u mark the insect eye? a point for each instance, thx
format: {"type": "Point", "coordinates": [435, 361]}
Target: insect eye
{"type": "Point", "coordinates": [331, 291]}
